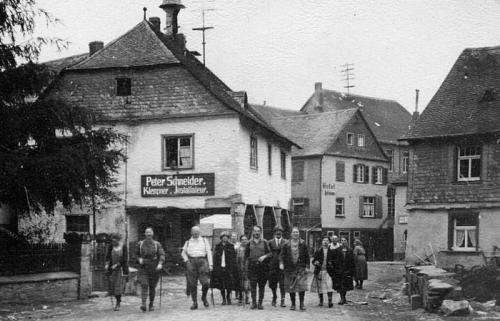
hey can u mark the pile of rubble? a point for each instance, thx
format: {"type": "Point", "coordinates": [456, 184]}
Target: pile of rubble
{"type": "Point", "coordinates": [437, 290]}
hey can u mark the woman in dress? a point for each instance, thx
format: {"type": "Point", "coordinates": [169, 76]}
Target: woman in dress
{"type": "Point", "coordinates": [322, 282]}
{"type": "Point", "coordinates": [341, 269]}
{"type": "Point", "coordinates": [294, 260]}
{"type": "Point", "coordinates": [360, 263]}
{"type": "Point", "coordinates": [242, 271]}
{"type": "Point", "coordinates": [117, 268]}
{"type": "Point", "coordinates": [225, 272]}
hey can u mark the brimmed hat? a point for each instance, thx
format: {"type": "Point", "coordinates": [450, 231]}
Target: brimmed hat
{"type": "Point", "coordinates": [225, 233]}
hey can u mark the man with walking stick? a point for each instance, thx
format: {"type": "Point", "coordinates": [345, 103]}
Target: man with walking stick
{"type": "Point", "coordinates": [150, 256]}
{"type": "Point", "coordinates": [197, 255]}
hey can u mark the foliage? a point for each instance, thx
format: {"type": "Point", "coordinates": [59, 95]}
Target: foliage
{"type": "Point", "coordinates": [39, 228]}
{"type": "Point", "coordinates": [481, 283]}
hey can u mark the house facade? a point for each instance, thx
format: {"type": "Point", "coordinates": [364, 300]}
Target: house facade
{"type": "Point", "coordinates": [195, 148]}
{"type": "Point", "coordinates": [339, 179]}
{"type": "Point", "coordinates": [389, 121]}
{"type": "Point", "coordinates": [454, 181]}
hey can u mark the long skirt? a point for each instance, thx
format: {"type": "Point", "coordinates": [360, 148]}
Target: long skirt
{"type": "Point", "coordinates": [322, 283]}
{"type": "Point", "coordinates": [116, 282]}
{"type": "Point", "coordinates": [296, 281]}
{"type": "Point", "coordinates": [361, 268]}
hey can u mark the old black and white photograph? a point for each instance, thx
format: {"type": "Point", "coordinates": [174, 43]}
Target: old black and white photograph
{"type": "Point", "coordinates": [249, 160]}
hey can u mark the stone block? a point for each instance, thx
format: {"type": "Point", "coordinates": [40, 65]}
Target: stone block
{"type": "Point", "coordinates": [455, 308]}
{"type": "Point", "coordinates": [456, 294]}
{"type": "Point", "coordinates": [416, 302]}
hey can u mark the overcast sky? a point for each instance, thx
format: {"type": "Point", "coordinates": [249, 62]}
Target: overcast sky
{"type": "Point", "coordinates": [277, 49]}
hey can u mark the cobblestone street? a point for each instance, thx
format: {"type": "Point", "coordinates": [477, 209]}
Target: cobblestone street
{"type": "Point", "coordinates": [380, 300]}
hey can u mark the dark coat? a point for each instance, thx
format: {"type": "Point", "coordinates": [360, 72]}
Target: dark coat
{"type": "Point", "coordinates": [287, 259]}
{"type": "Point", "coordinates": [274, 264]}
{"type": "Point", "coordinates": [225, 278]}
{"type": "Point", "coordinates": [123, 261]}
{"type": "Point", "coordinates": [341, 269]}
{"type": "Point", "coordinates": [318, 257]}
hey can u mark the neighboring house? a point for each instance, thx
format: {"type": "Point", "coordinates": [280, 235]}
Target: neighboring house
{"type": "Point", "coordinates": [339, 178]}
{"type": "Point", "coordinates": [195, 148]}
{"type": "Point", "coordinates": [389, 121]}
{"type": "Point", "coordinates": [454, 177]}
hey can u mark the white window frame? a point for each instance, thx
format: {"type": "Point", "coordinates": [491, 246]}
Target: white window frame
{"type": "Point", "coordinates": [468, 158]}
{"type": "Point", "coordinates": [405, 158]}
{"type": "Point", "coordinates": [351, 140]}
{"type": "Point", "coordinates": [191, 150]}
{"type": "Point", "coordinates": [361, 140]}
{"type": "Point", "coordinates": [343, 206]}
{"type": "Point", "coordinates": [379, 175]}
{"type": "Point", "coordinates": [367, 204]}
{"type": "Point", "coordinates": [466, 237]}
{"type": "Point", "coordinates": [360, 174]}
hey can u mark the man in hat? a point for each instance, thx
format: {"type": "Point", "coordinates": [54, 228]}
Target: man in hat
{"type": "Point", "coordinates": [198, 258]}
{"type": "Point", "coordinates": [257, 253]}
{"type": "Point", "coordinates": [150, 256]}
{"type": "Point", "coordinates": [225, 272]}
{"type": "Point", "coordinates": [275, 274]}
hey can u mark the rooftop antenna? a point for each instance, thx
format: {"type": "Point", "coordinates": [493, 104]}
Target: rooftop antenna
{"type": "Point", "coordinates": [203, 28]}
{"type": "Point", "coordinates": [144, 9]}
{"type": "Point", "coordinates": [347, 71]}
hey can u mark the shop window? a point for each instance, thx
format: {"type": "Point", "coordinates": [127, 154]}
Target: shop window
{"type": "Point", "coordinates": [361, 173]}
{"type": "Point", "coordinates": [283, 165]}
{"type": "Point", "coordinates": [123, 87]}
{"type": "Point", "coordinates": [77, 223]}
{"type": "Point", "coordinates": [340, 207]}
{"type": "Point", "coordinates": [350, 139]}
{"type": "Point", "coordinates": [297, 171]}
{"type": "Point", "coordinates": [178, 152]}
{"type": "Point", "coordinates": [469, 163]}
{"type": "Point", "coordinates": [361, 140]}
{"type": "Point", "coordinates": [463, 231]}
{"type": "Point", "coordinates": [253, 152]}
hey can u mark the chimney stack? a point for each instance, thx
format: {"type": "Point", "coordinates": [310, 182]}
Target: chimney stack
{"type": "Point", "coordinates": [156, 23]}
{"type": "Point", "coordinates": [318, 86]}
{"type": "Point", "coordinates": [417, 91]}
{"type": "Point", "coordinates": [95, 46]}
{"type": "Point", "coordinates": [171, 8]}
{"type": "Point", "coordinates": [318, 90]}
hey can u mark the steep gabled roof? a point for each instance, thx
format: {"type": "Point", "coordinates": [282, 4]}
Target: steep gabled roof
{"type": "Point", "coordinates": [137, 47]}
{"type": "Point", "coordinates": [468, 101]}
{"type": "Point", "coordinates": [387, 119]}
{"type": "Point", "coordinates": [314, 132]}
{"type": "Point", "coordinates": [268, 112]}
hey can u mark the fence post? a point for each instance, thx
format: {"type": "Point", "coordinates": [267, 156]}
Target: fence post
{"type": "Point", "coordinates": [85, 270]}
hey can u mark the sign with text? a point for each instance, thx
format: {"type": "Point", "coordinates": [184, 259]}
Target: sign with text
{"type": "Point", "coordinates": [178, 185]}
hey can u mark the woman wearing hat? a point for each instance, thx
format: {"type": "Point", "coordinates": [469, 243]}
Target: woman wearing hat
{"type": "Point", "coordinates": [360, 263]}
{"type": "Point", "coordinates": [117, 268]}
{"type": "Point", "coordinates": [225, 272]}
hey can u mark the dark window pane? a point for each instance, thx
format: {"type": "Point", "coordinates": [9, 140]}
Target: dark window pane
{"type": "Point", "coordinates": [464, 168]}
{"type": "Point", "coordinates": [476, 168]}
{"type": "Point", "coordinates": [123, 87]}
{"type": "Point", "coordinates": [171, 152]}
{"type": "Point", "coordinates": [466, 220]}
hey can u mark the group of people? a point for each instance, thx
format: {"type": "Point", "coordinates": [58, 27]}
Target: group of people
{"type": "Point", "coordinates": [244, 267]}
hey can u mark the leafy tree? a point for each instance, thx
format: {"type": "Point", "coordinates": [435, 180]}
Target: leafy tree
{"type": "Point", "coordinates": [50, 153]}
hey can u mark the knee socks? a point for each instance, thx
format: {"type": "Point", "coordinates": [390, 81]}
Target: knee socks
{"type": "Point", "coordinates": [301, 298]}
{"type": "Point", "coordinates": [292, 298]}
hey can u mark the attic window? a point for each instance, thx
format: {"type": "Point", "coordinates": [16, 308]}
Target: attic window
{"type": "Point", "coordinates": [123, 87]}
{"type": "Point", "coordinates": [489, 95]}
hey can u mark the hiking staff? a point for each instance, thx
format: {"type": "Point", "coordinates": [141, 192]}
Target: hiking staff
{"type": "Point", "coordinates": [212, 296]}
{"type": "Point", "coordinates": [161, 289]}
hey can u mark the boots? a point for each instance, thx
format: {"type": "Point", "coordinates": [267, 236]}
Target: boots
{"type": "Point", "coordinates": [228, 299]}
{"type": "Point", "coordinates": [223, 294]}
{"type": "Point", "coordinates": [144, 297]}
{"type": "Point", "coordinates": [330, 303]}
{"type": "Point", "coordinates": [254, 298]}
{"type": "Point", "coordinates": [320, 295]}
{"type": "Point", "coordinates": [360, 285]}
{"type": "Point", "coordinates": [261, 298]}
{"type": "Point", "coordinates": [204, 291]}
{"type": "Point", "coordinates": [275, 297]}
{"type": "Point", "coordinates": [195, 301]}
{"type": "Point", "coordinates": [283, 301]}
{"type": "Point", "coordinates": [118, 301]}
{"type": "Point", "coordinates": [292, 299]}
{"type": "Point", "coordinates": [301, 300]}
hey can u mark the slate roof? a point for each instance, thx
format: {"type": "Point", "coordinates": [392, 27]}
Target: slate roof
{"type": "Point", "coordinates": [458, 107]}
{"type": "Point", "coordinates": [268, 112]}
{"type": "Point", "coordinates": [387, 119]}
{"type": "Point", "coordinates": [314, 132]}
{"type": "Point", "coordinates": [63, 63]}
{"type": "Point", "coordinates": [142, 46]}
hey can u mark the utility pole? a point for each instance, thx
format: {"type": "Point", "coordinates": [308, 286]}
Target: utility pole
{"type": "Point", "coordinates": [348, 74]}
{"type": "Point", "coordinates": [203, 28]}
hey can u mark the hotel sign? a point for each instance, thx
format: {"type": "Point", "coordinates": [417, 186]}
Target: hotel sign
{"type": "Point", "coordinates": [178, 185]}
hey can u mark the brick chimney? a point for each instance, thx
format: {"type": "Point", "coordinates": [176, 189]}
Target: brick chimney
{"type": "Point", "coordinates": [95, 46]}
{"type": "Point", "coordinates": [318, 91]}
{"type": "Point", "coordinates": [155, 23]}
{"type": "Point", "coordinates": [171, 8]}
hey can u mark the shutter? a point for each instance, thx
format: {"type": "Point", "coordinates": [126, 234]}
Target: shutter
{"type": "Point", "coordinates": [384, 176]}
{"type": "Point", "coordinates": [340, 171]}
{"type": "Point", "coordinates": [354, 173]}
{"type": "Point", "coordinates": [379, 209]}
{"type": "Point", "coordinates": [374, 175]}
{"type": "Point", "coordinates": [450, 231]}
{"type": "Point", "coordinates": [361, 206]}
{"type": "Point", "coordinates": [454, 165]}
{"type": "Point", "coordinates": [476, 216]}
{"type": "Point", "coordinates": [367, 174]}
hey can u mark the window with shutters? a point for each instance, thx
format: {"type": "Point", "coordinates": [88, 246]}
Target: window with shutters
{"type": "Point", "coordinates": [339, 207]}
{"type": "Point", "coordinates": [469, 163]}
{"type": "Point", "coordinates": [463, 231]}
{"type": "Point", "coordinates": [297, 171]}
{"type": "Point", "coordinates": [379, 173]}
{"type": "Point", "coordinates": [361, 173]}
{"type": "Point", "coordinates": [340, 171]}
{"type": "Point", "coordinates": [370, 207]}
{"type": "Point", "coordinates": [177, 152]}
{"type": "Point", "coordinates": [253, 152]}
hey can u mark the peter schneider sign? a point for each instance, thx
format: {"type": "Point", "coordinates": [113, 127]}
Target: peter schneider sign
{"type": "Point", "coordinates": [178, 185]}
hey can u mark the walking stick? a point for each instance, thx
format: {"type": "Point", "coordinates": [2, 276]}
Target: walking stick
{"type": "Point", "coordinates": [161, 288]}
